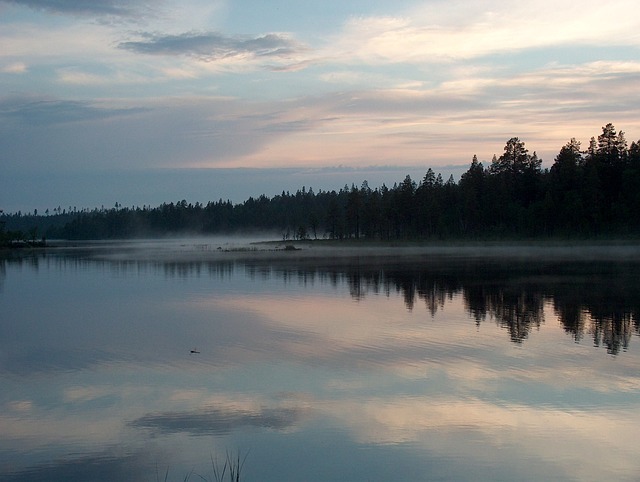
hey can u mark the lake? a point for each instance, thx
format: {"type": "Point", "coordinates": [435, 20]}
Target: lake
{"type": "Point", "coordinates": [154, 360]}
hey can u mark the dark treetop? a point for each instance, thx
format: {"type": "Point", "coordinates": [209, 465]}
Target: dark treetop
{"type": "Point", "coordinates": [590, 193]}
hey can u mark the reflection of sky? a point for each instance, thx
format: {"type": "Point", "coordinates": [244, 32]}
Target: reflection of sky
{"type": "Point", "coordinates": [94, 361]}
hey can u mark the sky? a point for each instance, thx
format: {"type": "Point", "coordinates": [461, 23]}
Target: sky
{"type": "Point", "coordinates": [142, 102]}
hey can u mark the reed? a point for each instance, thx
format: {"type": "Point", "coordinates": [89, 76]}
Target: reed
{"type": "Point", "coordinates": [231, 468]}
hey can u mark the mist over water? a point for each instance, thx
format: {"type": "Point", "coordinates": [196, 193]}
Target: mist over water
{"type": "Point", "coordinates": [375, 363]}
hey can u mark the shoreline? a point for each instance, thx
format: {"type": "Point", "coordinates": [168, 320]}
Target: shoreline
{"type": "Point", "coordinates": [242, 249]}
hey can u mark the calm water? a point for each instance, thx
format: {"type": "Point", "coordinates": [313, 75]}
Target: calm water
{"type": "Point", "coordinates": [319, 365]}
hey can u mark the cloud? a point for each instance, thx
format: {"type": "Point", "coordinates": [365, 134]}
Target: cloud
{"type": "Point", "coordinates": [117, 8]}
{"type": "Point", "coordinates": [128, 78]}
{"type": "Point", "coordinates": [14, 68]}
{"type": "Point", "coordinates": [438, 32]}
{"type": "Point", "coordinates": [213, 47]}
{"type": "Point", "coordinates": [57, 44]}
{"type": "Point", "coordinates": [416, 125]}
{"type": "Point", "coordinates": [38, 111]}
{"type": "Point", "coordinates": [179, 132]}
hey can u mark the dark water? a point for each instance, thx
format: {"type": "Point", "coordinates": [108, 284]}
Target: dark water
{"type": "Point", "coordinates": [319, 365]}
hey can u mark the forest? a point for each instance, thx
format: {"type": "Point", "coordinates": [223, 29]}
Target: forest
{"type": "Point", "coordinates": [590, 193]}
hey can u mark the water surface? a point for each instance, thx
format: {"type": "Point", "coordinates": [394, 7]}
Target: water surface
{"type": "Point", "coordinates": [319, 364]}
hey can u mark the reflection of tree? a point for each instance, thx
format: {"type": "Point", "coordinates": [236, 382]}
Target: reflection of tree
{"type": "Point", "coordinates": [567, 305]}
{"type": "Point", "coordinates": [611, 326]}
{"type": "Point", "coordinates": [475, 301]}
{"type": "Point", "coordinates": [3, 272]}
{"type": "Point", "coordinates": [612, 331]}
{"type": "Point", "coordinates": [507, 297]}
{"type": "Point", "coordinates": [614, 311]}
{"type": "Point", "coordinates": [596, 299]}
{"type": "Point", "coordinates": [605, 306]}
{"type": "Point", "coordinates": [517, 311]}
{"type": "Point", "coordinates": [422, 283]}
{"type": "Point", "coordinates": [357, 285]}
{"type": "Point", "coordinates": [434, 297]}
{"type": "Point", "coordinates": [600, 299]}
{"type": "Point", "coordinates": [11, 258]}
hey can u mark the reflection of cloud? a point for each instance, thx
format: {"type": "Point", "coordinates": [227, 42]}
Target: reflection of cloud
{"type": "Point", "coordinates": [432, 422]}
{"type": "Point", "coordinates": [97, 467]}
{"type": "Point", "coordinates": [323, 330]}
{"type": "Point", "coordinates": [22, 406]}
{"type": "Point", "coordinates": [214, 421]}
{"type": "Point", "coordinates": [422, 381]}
{"type": "Point", "coordinates": [86, 393]}
{"type": "Point", "coordinates": [28, 426]}
{"type": "Point", "coordinates": [388, 421]}
{"type": "Point", "coordinates": [317, 327]}
{"type": "Point", "coordinates": [50, 358]}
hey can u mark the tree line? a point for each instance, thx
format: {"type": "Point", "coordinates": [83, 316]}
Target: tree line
{"type": "Point", "coordinates": [585, 193]}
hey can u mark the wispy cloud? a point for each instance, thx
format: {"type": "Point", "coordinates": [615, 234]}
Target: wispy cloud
{"type": "Point", "coordinates": [213, 46]}
{"type": "Point", "coordinates": [14, 68]}
{"type": "Point", "coordinates": [449, 31]}
{"type": "Point", "coordinates": [38, 111]}
{"type": "Point", "coordinates": [119, 8]}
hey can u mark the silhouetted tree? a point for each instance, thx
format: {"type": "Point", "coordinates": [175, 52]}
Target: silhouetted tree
{"type": "Point", "coordinates": [591, 193]}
